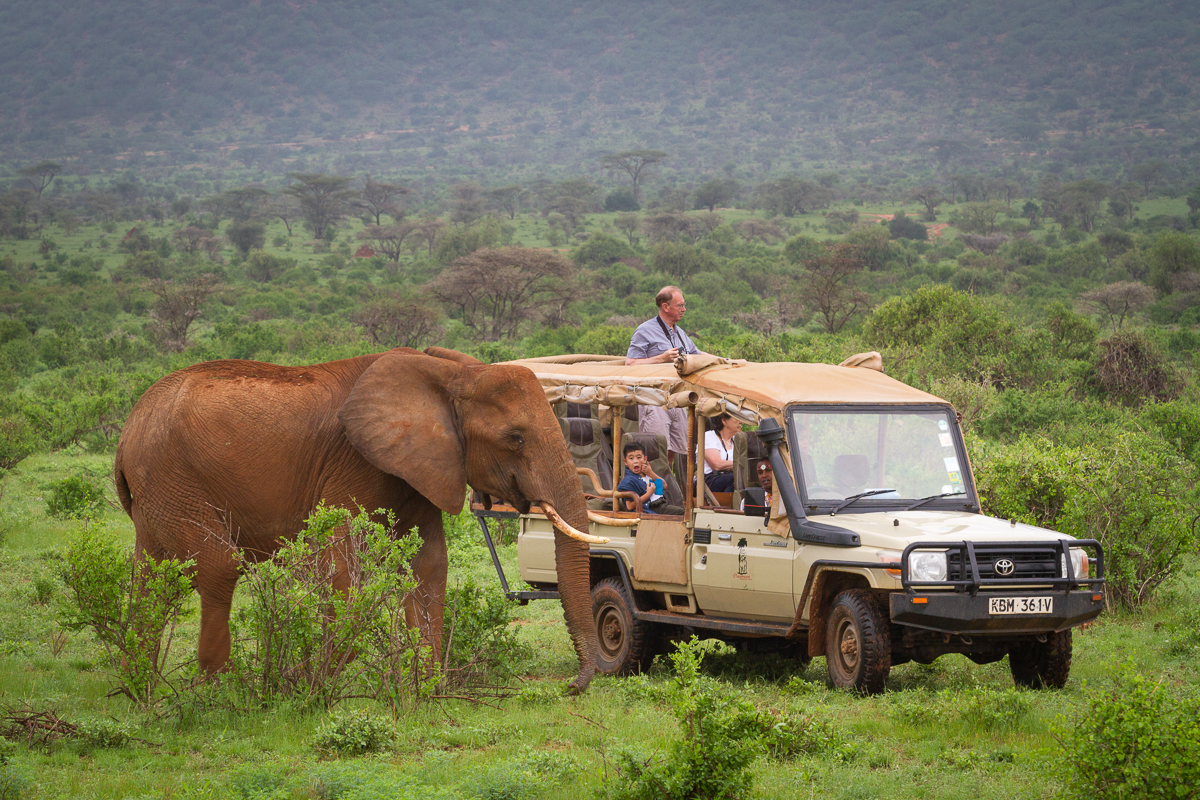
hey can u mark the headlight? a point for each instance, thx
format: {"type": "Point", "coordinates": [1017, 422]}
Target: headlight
{"type": "Point", "coordinates": [1079, 563]}
{"type": "Point", "coordinates": [927, 565]}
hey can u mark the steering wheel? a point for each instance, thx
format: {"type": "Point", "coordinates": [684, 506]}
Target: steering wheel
{"type": "Point", "coordinates": [820, 487]}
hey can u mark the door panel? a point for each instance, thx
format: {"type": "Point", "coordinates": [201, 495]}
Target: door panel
{"type": "Point", "coordinates": [747, 573]}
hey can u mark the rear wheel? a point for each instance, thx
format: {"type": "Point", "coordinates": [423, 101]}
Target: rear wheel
{"type": "Point", "coordinates": [624, 642]}
{"type": "Point", "coordinates": [1042, 665]}
{"type": "Point", "coordinates": [857, 647]}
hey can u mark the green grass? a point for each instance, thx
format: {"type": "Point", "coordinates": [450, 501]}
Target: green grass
{"type": "Point", "coordinates": [915, 741]}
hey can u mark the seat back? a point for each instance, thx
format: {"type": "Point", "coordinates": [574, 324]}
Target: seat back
{"type": "Point", "coordinates": [851, 471]}
{"type": "Point", "coordinates": [586, 445]}
{"type": "Point", "coordinates": [748, 451]}
{"type": "Point", "coordinates": [655, 447]}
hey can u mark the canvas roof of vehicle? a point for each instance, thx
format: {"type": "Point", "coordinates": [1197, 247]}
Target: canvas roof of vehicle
{"type": "Point", "coordinates": [759, 389]}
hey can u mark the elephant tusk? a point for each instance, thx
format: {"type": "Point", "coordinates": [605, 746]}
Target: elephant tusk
{"type": "Point", "coordinates": [600, 519]}
{"type": "Point", "coordinates": [562, 525]}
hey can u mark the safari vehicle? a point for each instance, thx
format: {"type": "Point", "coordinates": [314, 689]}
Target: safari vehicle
{"type": "Point", "coordinates": [872, 552]}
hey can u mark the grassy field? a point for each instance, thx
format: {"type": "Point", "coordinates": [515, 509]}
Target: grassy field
{"type": "Point", "coordinates": [949, 730]}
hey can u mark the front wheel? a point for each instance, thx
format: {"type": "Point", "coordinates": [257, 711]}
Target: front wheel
{"type": "Point", "coordinates": [624, 641]}
{"type": "Point", "coordinates": [1042, 665]}
{"type": "Point", "coordinates": [857, 646]}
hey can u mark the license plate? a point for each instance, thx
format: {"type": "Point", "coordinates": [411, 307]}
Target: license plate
{"type": "Point", "coordinates": [1020, 605]}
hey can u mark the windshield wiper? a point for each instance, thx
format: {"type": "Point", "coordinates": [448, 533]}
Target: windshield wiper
{"type": "Point", "coordinates": [933, 497]}
{"type": "Point", "coordinates": [859, 496]}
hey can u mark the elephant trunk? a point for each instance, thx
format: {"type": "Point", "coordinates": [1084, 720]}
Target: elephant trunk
{"type": "Point", "coordinates": [572, 561]}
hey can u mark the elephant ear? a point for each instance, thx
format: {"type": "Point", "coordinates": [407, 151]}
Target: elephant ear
{"type": "Point", "coordinates": [399, 416]}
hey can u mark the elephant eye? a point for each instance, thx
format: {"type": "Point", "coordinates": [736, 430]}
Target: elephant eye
{"type": "Point", "coordinates": [518, 441]}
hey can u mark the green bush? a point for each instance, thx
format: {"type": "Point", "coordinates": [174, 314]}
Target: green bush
{"type": "Point", "coordinates": [102, 732]}
{"type": "Point", "coordinates": [989, 709]}
{"type": "Point", "coordinates": [1130, 491]}
{"type": "Point", "coordinates": [722, 735]}
{"type": "Point", "coordinates": [522, 778]}
{"type": "Point", "coordinates": [78, 496]}
{"type": "Point", "coordinates": [12, 782]}
{"type": "Point", "coordinates": [940, 332]}
{"type": "Point", "coordinates": [128, 604]}
{"type": "Point", "coordinates": [353, 733]}
{"type": "Point", "coordinates": [296, 637]}
{"type": "Point", "coordinates": [367, 780]}
{"type": "Point", "coordinates": [1138, 739]}
{"type": "Point", "coordinates": [481, 643]}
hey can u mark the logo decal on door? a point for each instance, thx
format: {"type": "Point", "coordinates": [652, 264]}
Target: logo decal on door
{"type": "Point", "coordinates": [743, 561]}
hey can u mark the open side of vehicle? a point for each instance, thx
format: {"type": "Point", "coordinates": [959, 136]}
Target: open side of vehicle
{"type": "Point", "coordinates": [870, 549]}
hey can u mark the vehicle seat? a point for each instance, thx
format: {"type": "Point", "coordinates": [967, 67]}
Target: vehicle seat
{"type": "Point", "coordinates": [851, 471]}
{"type": "Point", "coordinates": [748, 451]}
{"type": "Point", "coordinates": [655, 447]}
{"type": "Point", "coordinates": [574, 410]}
{"type": "Point", "coordinates": [586, 445]}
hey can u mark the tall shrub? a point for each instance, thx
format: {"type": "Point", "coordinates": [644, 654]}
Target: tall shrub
{"type": "Point", "coordinates": [1138, 739]}
{"type": "Point", "coordinates": [1131, 492]}
{"type": "Point", "coordinates": [299, 638]}
{"type": "Point", "coordinates": [128, 604]}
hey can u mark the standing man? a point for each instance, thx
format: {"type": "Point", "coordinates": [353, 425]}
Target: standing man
{"type": "Point", "coordinates": [658, 341]}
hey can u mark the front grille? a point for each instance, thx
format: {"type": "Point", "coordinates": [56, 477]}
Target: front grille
{"type": "Point", "coordinates": [1028, 563]}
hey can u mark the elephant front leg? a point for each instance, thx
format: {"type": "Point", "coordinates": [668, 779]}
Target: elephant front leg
{"type": "Point", "coordinates": [423, 607]}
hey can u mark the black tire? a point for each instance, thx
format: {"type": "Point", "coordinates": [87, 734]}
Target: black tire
{"type": "Point", "coordinates": [624, 642]}
{"type": "Point", "coordinates": [858, 649]}
{"type": "Point", "coordinates": [1042, 665]}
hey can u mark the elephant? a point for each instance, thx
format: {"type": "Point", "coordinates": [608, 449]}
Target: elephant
{"type": "Point", "coordinates": [237, 454]}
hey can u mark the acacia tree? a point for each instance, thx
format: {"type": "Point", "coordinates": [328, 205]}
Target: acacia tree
{"type": "Point", "coordinates": [629, 224]}
{"type": "Point", "coordinates": [495, 291]}
{"type": "Point", "coordinates": [831, 291]}
{"type": "Point", "coordinates": [506, 199]}
{"type": "Point", "coordinates": [177, 306]}
{"type": "Point", "coordinates": [244, 204]}
{"type": "Point", "coordinates": [285, 208]}
{"type": "Point", "coordinates": [634, 163]}
{"type": "Point", "coordinates": [929, 196]}
{"type": "Point", "coordinates": [377, 199]}
{"type": "Point", "coordinates": [713, 193]}
{"type": "Point", "coordinates": [323, 200]}
{"type": "Point", "coordinates": [791, 195]}
{"type": "Point", "coordinates": [394, 319]}
{"type": "Point", "coordinates": [1119, 300]}
{"type": "Point", "coordinates": [389, 240]}
{"type": "Point", "coordinates": [40, 175]}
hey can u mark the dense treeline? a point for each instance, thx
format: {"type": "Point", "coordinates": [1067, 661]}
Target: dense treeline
{"type": "Point", "coordinates": [893, 89]}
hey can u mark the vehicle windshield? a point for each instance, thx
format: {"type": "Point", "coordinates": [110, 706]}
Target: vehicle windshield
{"type": "Point", "coordinates": [890, 457]}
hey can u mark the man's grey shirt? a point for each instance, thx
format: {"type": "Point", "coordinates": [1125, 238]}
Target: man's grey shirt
{"type": "Point", "coordinates": [649, 340]}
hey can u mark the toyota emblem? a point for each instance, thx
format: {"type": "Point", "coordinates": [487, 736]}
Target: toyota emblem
{"type": "Point", "coordinates": [1005, 567]}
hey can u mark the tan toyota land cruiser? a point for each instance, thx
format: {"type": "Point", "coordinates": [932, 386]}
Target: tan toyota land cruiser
{"type": "Point", "coordinates": [871, 550]}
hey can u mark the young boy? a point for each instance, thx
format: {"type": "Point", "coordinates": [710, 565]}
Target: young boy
{"type": "Point", "coordinates": [639, 479]}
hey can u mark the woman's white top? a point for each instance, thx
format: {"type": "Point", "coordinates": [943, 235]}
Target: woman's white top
{"type": "Point", "coordinates": [712, 441]}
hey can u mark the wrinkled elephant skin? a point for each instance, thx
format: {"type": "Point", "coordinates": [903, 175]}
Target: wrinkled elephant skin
{"type": "Point", "coordinates": [230, 454]}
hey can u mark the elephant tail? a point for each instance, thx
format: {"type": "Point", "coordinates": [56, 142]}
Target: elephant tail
{"type": "Point", "coordinates": [122, 484]}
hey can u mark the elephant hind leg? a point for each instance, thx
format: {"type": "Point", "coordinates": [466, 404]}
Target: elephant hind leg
{"type": "Point", "coordinates": [216, 600]}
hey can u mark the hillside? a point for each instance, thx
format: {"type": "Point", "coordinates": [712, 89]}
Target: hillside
{"type": "Point", "coordinates": [484, 91]}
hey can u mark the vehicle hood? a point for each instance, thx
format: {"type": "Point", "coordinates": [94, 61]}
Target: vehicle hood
{"type": "Point", "coordinates": [880, 529]}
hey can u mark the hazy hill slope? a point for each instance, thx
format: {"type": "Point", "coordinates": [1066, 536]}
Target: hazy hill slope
{"type": "Point", "coordinates": [871, 78]}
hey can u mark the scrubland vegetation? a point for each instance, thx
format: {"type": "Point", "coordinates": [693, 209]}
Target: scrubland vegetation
{"type": "Point", "coordinates": [1069, 353]}
{"type": "Point", "coordinates": [1002, 199]}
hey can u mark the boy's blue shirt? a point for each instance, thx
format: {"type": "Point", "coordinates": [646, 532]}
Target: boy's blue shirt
{"type": "Point", "coordinates": [632, 482]}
